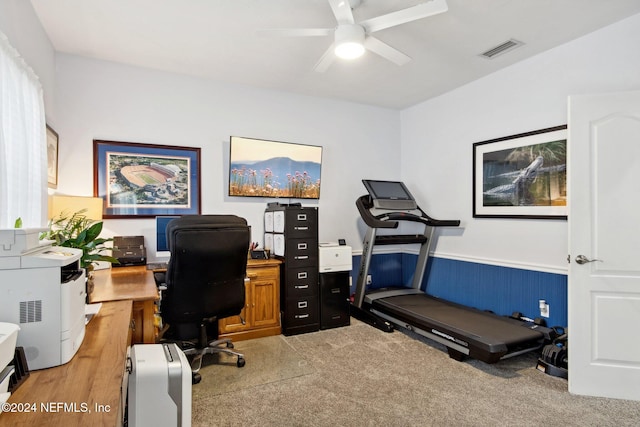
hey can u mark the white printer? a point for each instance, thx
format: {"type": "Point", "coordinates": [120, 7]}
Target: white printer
{"type": "Point", "coordinates": [334, 257]}
{"type": "Point", "coordinates": [42, 289]}
{"type": "Point", "coordinates": [8, 336]}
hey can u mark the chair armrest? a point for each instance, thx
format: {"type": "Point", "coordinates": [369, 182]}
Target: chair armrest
{"type": "Point", "coordinates": [160, 278]}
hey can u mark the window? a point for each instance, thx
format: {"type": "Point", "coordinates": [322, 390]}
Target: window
{"type": "Point", "coordinates": [23, 155]}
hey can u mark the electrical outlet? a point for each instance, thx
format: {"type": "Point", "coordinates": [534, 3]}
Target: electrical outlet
{"type": "Point", "coordinates": [368, 279]}
{"type": "Point", "coordinates": [544, 308]}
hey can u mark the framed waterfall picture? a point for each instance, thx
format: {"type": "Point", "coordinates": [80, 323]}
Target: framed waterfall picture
{"type": "Point", "coordinates": [521, 176]}
{"type": "Point", "coordinates": [145, 180]}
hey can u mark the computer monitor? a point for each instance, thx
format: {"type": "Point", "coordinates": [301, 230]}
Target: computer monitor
{"type": "Point", "coordinates": [162, 246]}
{"type": "Point", "coordinates": [389, 194]}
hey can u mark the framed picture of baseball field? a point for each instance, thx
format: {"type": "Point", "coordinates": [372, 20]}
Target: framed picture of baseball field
{"type": "Point", "coordinates": [146, 180]}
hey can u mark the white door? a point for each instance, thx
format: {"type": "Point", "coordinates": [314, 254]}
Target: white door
{"type": "Point", "coordinates": [604, 245]}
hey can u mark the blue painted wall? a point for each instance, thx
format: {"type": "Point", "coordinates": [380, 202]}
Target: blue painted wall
{"type": "Point", "coordinates": [502, 290]}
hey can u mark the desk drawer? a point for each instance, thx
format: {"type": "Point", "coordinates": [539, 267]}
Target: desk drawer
{"type": "Point", "coordinates": [301, 222]}
{"type": "Point", "coordinates": [301, 253]}
{"type": "Point", "coordinates": [301, 282]}
{"type": "Point", "coordinates": [301, 311]}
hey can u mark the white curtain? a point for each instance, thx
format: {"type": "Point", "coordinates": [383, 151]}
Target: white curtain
{"type": "Point", "coordinates": [23, 145]}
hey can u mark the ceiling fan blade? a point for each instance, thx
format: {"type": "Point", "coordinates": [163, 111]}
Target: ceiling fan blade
{"type": "Point", "coordinates": [326, 60]}
{"type": "Point", "coordinates": [296, 32]}
{"type": "Point", "coordinates": [380, 48]}
{"type": "Point", "coordinates": [342, 11]}
{"type": "Point", "coordinates": [423, 10]}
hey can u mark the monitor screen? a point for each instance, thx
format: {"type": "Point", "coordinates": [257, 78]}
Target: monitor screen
{"type": "Point", "coordinates": [388, 190]}
{"type": "Point", "coordinates": [391, 195]}
{"type": "Point", "coordinates": [161, 232]}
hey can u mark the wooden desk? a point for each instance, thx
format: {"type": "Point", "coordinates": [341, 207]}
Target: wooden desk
{"type": "Point", "coordinates": [130, 283]}
{"type": "Point", "coordinates": [261, 313]}
{"type": "Point", "coordinates": [90, 384]}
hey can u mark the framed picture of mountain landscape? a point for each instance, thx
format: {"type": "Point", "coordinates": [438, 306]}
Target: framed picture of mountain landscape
{"type": "Point", "coordinates": [262, 168]}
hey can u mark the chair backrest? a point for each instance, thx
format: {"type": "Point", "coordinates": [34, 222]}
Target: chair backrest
{"type": "Point", "coordinates": [207, 268]}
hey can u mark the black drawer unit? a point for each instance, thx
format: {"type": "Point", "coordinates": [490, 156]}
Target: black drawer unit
{"type": "Point", "coordinates": [334, 299]}
{"type": "Point", "coordinates": [301, 315]}
{"type": "Point", "coordinates": [303, 282]}
{"type": "Point", "coordinates": [301, 252]}
{"type": "Point", "coordinates": [293, 231]}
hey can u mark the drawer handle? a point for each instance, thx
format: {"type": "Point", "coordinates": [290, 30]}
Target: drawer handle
{"type": "Point", "coordinates": [302, 257]}
{"type": "Point", "coordinates": [302, 246]}
{"type": "Point", "coordinates": [335, 290]}
{"type": "Point", "coordinates": [302, 304]}
{"type": "Point", "coordinates": [302, 275]}
{"type": "Point", "coordinates": [301, 316]}
{"type": "Point", "coordinates": [301, 286]}
{"type": "Point", "coordinates": [302, 217]}
{"type": "Point", "coordinates": [301, 228]}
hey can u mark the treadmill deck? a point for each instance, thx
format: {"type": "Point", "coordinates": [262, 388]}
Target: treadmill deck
{"type": "Point", "coordinates": [487, 336]}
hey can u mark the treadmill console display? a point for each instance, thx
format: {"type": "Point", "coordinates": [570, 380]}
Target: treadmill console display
{"type": "Point", "coordinates": [391, 195]}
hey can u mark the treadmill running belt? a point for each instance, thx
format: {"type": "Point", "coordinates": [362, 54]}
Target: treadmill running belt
{"type": "Point", "coordinates": [491, 335]}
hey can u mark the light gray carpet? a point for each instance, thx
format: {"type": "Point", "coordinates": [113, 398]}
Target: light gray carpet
{"type": "Point", "coordinates": [359, 376]}
{"type": "Point", "coordinates": [272, 359]}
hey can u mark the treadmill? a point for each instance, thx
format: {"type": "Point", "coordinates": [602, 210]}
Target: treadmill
{"type": "Point", "coordinates": [465, 331]}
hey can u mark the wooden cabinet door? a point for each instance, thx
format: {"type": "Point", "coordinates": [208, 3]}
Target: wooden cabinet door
{"type": "Point", "coordinates": [144, 330]}
{"type": "Point", "coordinates": [137, 324]}
{"type": "Point", "coordinates": [262, 304]}
{"type": "Point", "coordinates": [234, 323]}
{"type": "Point", "coordinates": [265, 304]}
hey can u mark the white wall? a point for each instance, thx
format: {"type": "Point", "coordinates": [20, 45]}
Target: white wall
{"type": "Point", "coordinates": [20, 24]}
{"type": "Point", "coordinates": [437, 138]}
{"type": "Point", "coordinates": [103, 100]}
{"type": "Point", "coordinates": [88, 99]}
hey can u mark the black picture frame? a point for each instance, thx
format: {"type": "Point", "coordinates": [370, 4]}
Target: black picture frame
{"type": "Point", "coordinates": [521, 176]}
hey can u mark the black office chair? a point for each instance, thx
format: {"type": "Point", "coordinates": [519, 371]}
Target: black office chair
{"type": "Point", "coordinates": [204, 282]}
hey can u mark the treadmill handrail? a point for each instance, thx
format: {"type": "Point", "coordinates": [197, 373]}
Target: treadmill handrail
{"type": "Point", "coordinates": [364, 204]}
{"type": "Point", "coordinates": [392, 219]}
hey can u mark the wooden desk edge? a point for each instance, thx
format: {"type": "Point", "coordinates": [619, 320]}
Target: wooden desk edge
{"type": "Point", "coordinates": [91, 380]}
{"type": "Point", "coordinates": [124, 283]}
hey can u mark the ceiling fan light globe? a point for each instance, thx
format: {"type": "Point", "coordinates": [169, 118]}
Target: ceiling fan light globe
{"type": "Point", "coordinates": [349, 41]}
{"type": "Point", "coordinates": [349, 50]}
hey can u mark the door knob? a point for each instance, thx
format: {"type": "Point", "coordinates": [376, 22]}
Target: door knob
{"type": "Point", "coordinates": [581, 259]}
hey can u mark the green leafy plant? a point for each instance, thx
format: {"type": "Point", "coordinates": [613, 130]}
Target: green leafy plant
{"type": "Point", "coordinates": [77, 231]}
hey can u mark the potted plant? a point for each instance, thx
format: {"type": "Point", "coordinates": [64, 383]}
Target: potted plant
{"type": "Point", "coordinates": [77, 231]}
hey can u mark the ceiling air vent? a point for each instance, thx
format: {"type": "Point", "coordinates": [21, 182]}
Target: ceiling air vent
{"type": "Point", "coordinates": [501, 48]}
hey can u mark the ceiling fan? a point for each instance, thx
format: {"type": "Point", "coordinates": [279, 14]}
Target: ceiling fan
{"type": "Point", "coordinates": [352, 39]}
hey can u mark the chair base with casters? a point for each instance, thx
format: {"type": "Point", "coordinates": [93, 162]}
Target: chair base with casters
{"type": "Point", "coordinates": [196, 349]}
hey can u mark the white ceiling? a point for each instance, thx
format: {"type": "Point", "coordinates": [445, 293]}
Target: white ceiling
{"type": "Point", "coordinates": [218, 39]}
